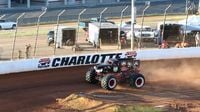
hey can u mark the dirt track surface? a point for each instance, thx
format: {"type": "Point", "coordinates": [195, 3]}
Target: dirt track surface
{"type": "Point", "coordinates": [168, 82]}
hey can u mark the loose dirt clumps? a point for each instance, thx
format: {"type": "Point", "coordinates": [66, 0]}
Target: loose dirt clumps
{"type": "Point", "coordinates": [184, 107]}
{"type": "Point", "coordinates": [76, 101]}
{"type": "Point", "coordinates": [83, 102]}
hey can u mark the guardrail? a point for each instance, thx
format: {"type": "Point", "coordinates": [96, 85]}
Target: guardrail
{"type": "Point", "coordinates": [8, 67]}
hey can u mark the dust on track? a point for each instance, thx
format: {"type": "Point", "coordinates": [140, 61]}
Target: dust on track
{"type": "Point", "coordinates": [168, 81]}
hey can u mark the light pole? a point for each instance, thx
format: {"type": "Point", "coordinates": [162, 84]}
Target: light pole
{"type": "Point", "coordinates": [132, 23]}
{"type": "Point", "coordinates": [140, 39]}
{"type": "Point", "coordinates": [14, 40]}
{"type": "Point", "coordinates": [56, 37]}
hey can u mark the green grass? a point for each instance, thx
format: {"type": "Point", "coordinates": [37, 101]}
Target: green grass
{"type": "Point", "coordinates": [23, 32]}
{"type": "Point", "coordinates": [137, 108]}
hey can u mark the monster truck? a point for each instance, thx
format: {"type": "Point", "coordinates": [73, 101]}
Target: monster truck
{"type": "Point", "coordinates": [116, 71]}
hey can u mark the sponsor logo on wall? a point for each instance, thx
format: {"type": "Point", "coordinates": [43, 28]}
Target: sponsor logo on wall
{"type": "Point", "coordinates": [44, 63]}
{"type": "Point", "coordinates": [81, 60]}
{"type": "Point", "coordinates": [131, 54]}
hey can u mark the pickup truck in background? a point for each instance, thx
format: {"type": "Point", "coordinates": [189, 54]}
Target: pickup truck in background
{"type": "Point", "coordinates": [7, 24]}
{"type": "Point", "coordinates": [147, 33]}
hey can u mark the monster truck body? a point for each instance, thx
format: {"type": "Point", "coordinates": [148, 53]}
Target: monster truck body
{"type": "Point", "coordinates": [116, 71]}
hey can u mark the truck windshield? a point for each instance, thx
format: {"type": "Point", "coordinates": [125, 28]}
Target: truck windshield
{"type": "Point", "coordinates": [2, 21]}
{"type": "Point", "coordinates": [51, 32]}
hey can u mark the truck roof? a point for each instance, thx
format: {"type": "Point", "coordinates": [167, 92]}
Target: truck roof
{"type": "Point", "coordinates": [64, 28]}
{"type": "Point", "coordinates": [104, 25]}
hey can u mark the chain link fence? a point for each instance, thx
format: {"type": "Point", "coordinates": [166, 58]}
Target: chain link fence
{"type": "Point", "coordinates": [30, 31]}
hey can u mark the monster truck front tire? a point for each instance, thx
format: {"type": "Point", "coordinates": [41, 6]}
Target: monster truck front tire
{"type": "Point", "coordinates": [137, 81]}
{"type": "Point", "coordinates": [91, 76]}
{"type": "Point", "coordinates": [109, 82]}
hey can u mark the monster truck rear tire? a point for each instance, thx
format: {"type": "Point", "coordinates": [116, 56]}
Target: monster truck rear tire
{"type": "Point", "coordinates": [137, 81]}
{"type": "Point", "coordinates": [90, 76]}
{"type": "Point", "coordinates": [109, 82]}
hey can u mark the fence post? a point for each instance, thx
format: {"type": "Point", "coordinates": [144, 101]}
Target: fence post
{"type": "Point", "coordinates": [14, 40]}
{"type": "Point", "coordinates": [186, 22]}
{"type": "Point", "coordinates": [132, 23]}
{"type": "Point", "coordinates": [77, 36]}
{"type": "Point", "coordinates": [143, 12]}
{"type": "Point", "coordinates": [9, 4]}
{"type": "Point", "coordinates": [28, 3]}
{"type": "Point", "coordinates": [119, 31]}
{"type": "Point", "coordinates": [2, 16]}
{"type": "Point", "coordinates": [163, 30]}
{"type": "Point", "coordinates": [186, 6]}
{"type": "Point", "coordinates": [56, 36]}
{"type": "Point", "coordinates": [100, 17]}
{"type": "Point", "coordinates": [38, 25]}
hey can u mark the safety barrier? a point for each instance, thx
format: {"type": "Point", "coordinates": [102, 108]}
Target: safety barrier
{"type": "Point", "coordinates": [15, 66]}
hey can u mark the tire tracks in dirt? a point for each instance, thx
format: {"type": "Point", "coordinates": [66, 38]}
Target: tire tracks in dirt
{"type": "Point", "coordinates": [167, 81]}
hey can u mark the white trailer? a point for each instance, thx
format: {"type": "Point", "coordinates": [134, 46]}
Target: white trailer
{"type": "Point", "coordinates": [65, 35]}
{"type": "Point", "coordinates": [106, 32]}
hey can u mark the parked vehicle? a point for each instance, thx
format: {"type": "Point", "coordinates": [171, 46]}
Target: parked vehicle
{"type": "Point", "coordinates": [123, 40]}
{"type": "Point", "coordinates": [7, 24]}
{"type": "Point", "coordinates": [174, 34]}
{"type": "Point", "coordinates": [116, 71]}
{"type": "Point", "coordinates": [106, 33]}
{"type": "Point", "coordinates": [64, 36]}
{"type": "Point", "coordinates": [50, 37]}
{"type": "Point", "coordinates": [147, 33]}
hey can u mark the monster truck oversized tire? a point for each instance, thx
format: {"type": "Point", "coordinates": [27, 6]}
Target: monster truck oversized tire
{"type": "Point", "coordinates": [90, 76]}
{"type": "Point", "coordinates": [137, 80]}
{"type": "Point", "coordinates": [109, 82]}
